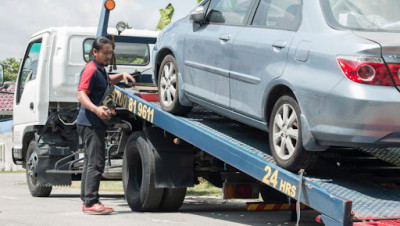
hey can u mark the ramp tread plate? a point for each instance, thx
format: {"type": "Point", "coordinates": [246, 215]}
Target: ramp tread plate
{"type": "Point", "coordinates": [369, 199]}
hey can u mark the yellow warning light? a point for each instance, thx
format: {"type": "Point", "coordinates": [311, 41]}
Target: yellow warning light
{"type": "Point", "coordinates": [109, 4]}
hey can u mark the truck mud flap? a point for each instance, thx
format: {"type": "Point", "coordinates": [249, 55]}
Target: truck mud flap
{"type": "Point", "coordinates": [48, 179]}
{"type": "Point", "coordinates": [173, 162]}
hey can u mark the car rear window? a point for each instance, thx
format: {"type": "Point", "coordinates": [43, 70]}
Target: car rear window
{"type": "Point", "coordinates": [371, 15]}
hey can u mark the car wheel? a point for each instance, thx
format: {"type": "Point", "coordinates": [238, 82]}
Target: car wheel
{"type": "Point", "coordinates": [285, 136]}
{"type": "Point", "coordinates": [168, 91]}
{"type": "Point", "coordinates": [32, 162]}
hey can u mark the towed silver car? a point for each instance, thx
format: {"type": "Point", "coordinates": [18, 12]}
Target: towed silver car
{"type": "Point", "coordinates": [314, 73]}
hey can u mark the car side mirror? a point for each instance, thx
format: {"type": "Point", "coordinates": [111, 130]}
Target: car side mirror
{"type": "Point", "coordinates": [1, 75]}
{"type": "Point", "coordinates": [197, 15]}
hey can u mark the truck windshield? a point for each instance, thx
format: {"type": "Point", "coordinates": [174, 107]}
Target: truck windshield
{"type": "Point", "coordinates": [371, 15]}
{"type": "Point", "coordinates": [125, 53]}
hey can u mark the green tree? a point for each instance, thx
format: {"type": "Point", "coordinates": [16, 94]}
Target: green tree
{"type": "Point", "coordinates": [166, 15]}
{"type": "Point", "coordinates": [11, 66]}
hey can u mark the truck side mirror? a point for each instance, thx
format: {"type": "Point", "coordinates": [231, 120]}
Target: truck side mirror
{"type": "Point", "coordinates": [1, 75]}
{"type": "Point", "coordinates": [197, 15]}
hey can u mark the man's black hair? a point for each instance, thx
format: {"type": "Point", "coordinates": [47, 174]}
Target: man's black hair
{"type": "Point", "coordinates": [98, 43]}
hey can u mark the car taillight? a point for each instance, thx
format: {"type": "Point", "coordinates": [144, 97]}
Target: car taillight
{"type": "Point", "coordinates": [395, 69]}
{"type": "Point", "coordinates": [366, 70]}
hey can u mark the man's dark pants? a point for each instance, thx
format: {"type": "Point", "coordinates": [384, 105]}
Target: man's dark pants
{"type": "Point", "coordinates": [93, 139]}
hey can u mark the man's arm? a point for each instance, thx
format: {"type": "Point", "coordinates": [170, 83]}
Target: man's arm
{"type": "Point", "coordinates": [100, 111]}
{"type": "Point", "coordinates": [121, 76]}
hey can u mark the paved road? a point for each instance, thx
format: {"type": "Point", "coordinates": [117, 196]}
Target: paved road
{"type": "Point", "coordinates": [63, 207]}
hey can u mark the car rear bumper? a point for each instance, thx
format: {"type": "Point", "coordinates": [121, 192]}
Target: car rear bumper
{"type": "Point", "coordinates": [353, 115]}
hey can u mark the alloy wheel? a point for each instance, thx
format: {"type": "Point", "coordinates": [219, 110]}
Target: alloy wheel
{"type": "Point", "coordinates": [168, 84]}
{"type": "Point", "coordinates": [285, 131]}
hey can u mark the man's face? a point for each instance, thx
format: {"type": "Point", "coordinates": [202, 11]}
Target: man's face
{"type": "Point", "coordinates": [104, 55]}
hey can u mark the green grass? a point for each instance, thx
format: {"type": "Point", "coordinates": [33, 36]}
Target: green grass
{"type": "Point", "coordinates": [202, 189]}
{"type": "Point", "coordinates": [110, 186]}
{"type": "Point", "coordinates": [19, 171]}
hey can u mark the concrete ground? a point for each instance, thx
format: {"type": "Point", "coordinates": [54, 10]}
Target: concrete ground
{"type": "Point", "coordinates": [63, 207]}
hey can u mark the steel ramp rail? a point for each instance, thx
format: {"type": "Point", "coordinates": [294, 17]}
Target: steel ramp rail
{"type": "Point", "coordinates": [246, 149]}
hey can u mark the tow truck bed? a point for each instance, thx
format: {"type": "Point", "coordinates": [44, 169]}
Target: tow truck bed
{"type": "Point", "coordinates": [341, 196]}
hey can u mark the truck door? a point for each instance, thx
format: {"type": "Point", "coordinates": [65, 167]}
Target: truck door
{"type": "Point", "coordinates": [25, 104]}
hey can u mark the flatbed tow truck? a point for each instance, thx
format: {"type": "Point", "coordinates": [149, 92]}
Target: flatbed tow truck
{"type": "Point", "coordinates": [164, 153]}
{"type": "Point", "coordinates": [350, 187]}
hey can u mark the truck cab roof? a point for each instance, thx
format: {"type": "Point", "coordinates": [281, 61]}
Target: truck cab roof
{"type": "Point", "coordinates": [92, 31]}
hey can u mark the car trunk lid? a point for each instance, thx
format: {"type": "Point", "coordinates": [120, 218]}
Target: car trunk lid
{"type": "Point", "coordinates": [390, 50]}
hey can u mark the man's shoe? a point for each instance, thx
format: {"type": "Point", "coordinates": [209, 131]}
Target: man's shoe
{"type": "Point", "coordinates": [97, 208]}
{"type": "Point", "coordinates": [108, 208]}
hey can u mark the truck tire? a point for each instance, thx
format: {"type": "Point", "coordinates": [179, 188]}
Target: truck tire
{"type": "Point", "coordinates": [285, 138]}
{"type": "Point", "coordinates": [31, 172]}
{"type": "Point", "coordinates": [138, 175]}
{"type": "Point", "coordinates": [168, 89]}
{"type": "Point", "coordinates": [172, 199]}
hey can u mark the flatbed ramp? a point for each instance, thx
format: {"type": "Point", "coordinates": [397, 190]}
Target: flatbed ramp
{"type": "Point", "coordinates": [342, 198]}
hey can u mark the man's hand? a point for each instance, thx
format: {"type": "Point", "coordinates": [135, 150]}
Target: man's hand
{"type": "Point", "coordinates": [102, 112]}
{"type": "Point", "coordinates": [122, 76]}
{"type": "Point", "coordinates": [126, 77]}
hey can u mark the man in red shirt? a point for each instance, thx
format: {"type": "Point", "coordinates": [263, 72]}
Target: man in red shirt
{"type": "Point", "coordinates": [91, 128]}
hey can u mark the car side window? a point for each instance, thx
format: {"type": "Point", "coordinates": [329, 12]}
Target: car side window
{"type": "Point", "coordinates": [278, 14]}
{"type": "Point", "coordinates": [229, 12]}
{"type": "Point", "coordinates": [29, 67]}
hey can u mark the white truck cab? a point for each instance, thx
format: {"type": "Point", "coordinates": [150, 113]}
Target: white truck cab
{"type": "Point", "coordinates": [45, 103]}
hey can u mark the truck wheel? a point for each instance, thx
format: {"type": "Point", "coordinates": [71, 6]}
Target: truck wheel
{"type": "Point", "coordinates": [168, 92]}
{"type": "Point", "coordinates": [285, 136]}
{"type": "Point", "coordinates": [31, 172]}
{"type": "Point", "coordinates": [138, 175]}
{"type": "Point", "coordinates": [172, 199]}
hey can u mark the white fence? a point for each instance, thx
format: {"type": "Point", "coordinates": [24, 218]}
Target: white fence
{"type": "Point", "coordinates": [6, 163]}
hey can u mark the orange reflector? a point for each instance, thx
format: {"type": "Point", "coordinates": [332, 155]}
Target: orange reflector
{"type": "Point", "coordinates": [109, 4]}
{"type": "Point", "coordinates": [177, 141]}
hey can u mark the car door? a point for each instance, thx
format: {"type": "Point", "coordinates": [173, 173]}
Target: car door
{"type": "Point", "coordinates": [259, 54]}
{"type": "Point", "coordinates": [25, 102]}
{"type": "Point", "coordinates": [208, 51]}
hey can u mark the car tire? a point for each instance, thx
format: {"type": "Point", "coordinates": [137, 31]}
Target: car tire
{"type": "Point", "coordinates": [168, 89]}
{"type": "Point", "coordinates": [285, 136]}
{"type": "Point", "coordinates": [32, 161]}
{"type": "Point", "coordinates": [138, 172]}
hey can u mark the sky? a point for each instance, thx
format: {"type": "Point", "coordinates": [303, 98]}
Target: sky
{"type": "Point", "coordinates": [19, 19]}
